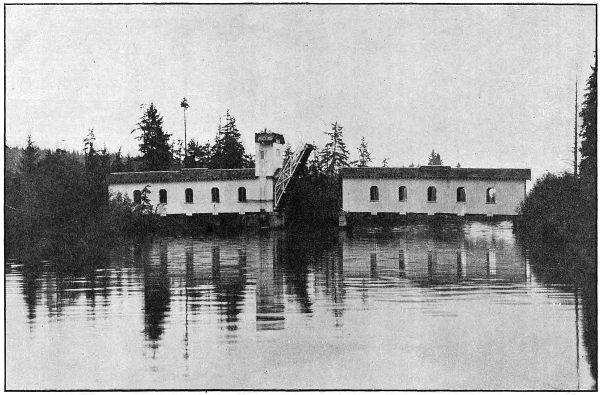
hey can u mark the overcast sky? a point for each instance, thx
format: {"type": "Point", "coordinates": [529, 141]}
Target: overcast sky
{"type": "Point", "coordinates": [486, 86]}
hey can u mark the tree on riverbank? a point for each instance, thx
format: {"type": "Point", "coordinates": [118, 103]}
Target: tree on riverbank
{"type": "Point", "coordinates": [434, 159]}
{"type": "Point", "coordinates": [198, 155]}
{"type": "Point", "coordinates": [58, 202]}
{"type": "Point", "coordinates": [364, 156]}
{"type": "Point", "coordinates": [589, 136]}
{"type": "Point", "coordinates": [334, 155]}
{"type": "Point", "coordinates": [315, 195]}
{"type": "Point", "coordinates": [561, 209]}
{"type": "Point", "coordinates": [154, 146]}
{"type": "Point", "coordinates": [228, 151]}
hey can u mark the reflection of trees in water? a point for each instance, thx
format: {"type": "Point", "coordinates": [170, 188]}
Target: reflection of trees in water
{"type": "Point", "coordinates": [31, 284]}
{"type": "Point", "coordinates": [324, 253]}
{"type": "Point", "coordinates": [61, 283]}
{"type": "Point", "coordinates": [555, 266]}
{"type": "Point", "coordinates": [292, 263]}
{"type": "Point", "coordinates": [157, 293]}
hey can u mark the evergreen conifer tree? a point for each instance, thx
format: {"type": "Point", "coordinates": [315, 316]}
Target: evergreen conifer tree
{"type": "Point", "coordinates": [198, 155]}
{"type": "Point", "coordinates": [117, 164]}
{"type": "Point", "coordinates": [334, 155]}
{"type": "Point", "coordinates": [589, 135]}
{"type": "Point", "coordinates": [228, 151]}
{"type": "Point", "coordinates": [154, 146]}
{"type": "Point", "coordinates": [434, 159]}
{"type": "Point", "coordinates": [364, 156]}
{"type": "Point", "coordinates": [30, 158]}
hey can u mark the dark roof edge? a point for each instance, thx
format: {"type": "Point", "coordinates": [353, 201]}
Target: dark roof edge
{"type": "Point", "coordinates": [432, 172]}
{"type": "Point", "coordinates": [183, 175]}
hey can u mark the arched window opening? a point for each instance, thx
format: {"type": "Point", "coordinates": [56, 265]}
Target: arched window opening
{"type": "Point", "coordinates": [214, 193]}
{"type": "Point", "coordinates": [189, 195]}
{"type": "Point", "coordinates": [461, 195]}
{"type": "Point", "coordinates": [402, 194]}
{"type": "Point", "coordinates": [374, 194]}
{"type": "Point", "coordinates": [242, 194]}
{"type": "Point", "coordinates": [137, 196]}
{"type": "Point", "coordinates": [490, 195]}
{"type": "Point", "coordinates": [431, 194]}
{"type": "Point", "coordinates": [162, 196]}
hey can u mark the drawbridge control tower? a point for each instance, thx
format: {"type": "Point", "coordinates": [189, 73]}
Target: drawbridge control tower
{"type": "Point", "coordinates": [270, 166]}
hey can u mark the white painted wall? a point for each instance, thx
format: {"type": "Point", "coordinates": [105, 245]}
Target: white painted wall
{"type": "Point", "coordinates": [273, 158]}
{"type": "Point", "coordinates": [228, 194]}
{"type": "Point", "coordinates": [266, 167]}
{"type": "Point", "coordinates": [509, 194]}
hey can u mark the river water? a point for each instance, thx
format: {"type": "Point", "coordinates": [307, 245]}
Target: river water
{"type": "Point", "coordinates": [456, 306]}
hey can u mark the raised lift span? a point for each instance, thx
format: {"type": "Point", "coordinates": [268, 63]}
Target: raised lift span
{"type": "Point", "coordinates": [288, 171]}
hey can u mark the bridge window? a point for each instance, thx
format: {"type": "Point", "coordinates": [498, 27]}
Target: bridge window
{"type": "Point", "coordinates": [137, 196]}
{"type": "Point", "coordinates": [490, 195]}
{"type": "Point", "coordinates": [461, 195]}
{"type": "Point", "coordinates": [214, 193]}
{"type": "Point", "coordinates": [162, 196]}
{"type": "Point", "coordinates": [242, 194]}
{"type": "Point", "coordinates": [431, 194]}
{"type": "Point", "coordinates": [189, 195]}
{"type": "Point", "coordinates": [374, 194]}
{"type": "Point", "coordinates": [402, 194]}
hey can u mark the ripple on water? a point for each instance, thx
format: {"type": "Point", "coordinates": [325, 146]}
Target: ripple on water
{"type": "Point", "coordinates": [455, 307]}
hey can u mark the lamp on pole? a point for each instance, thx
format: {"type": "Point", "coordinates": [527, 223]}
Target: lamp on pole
{"type": "Point", "coordinates": [184, 104]}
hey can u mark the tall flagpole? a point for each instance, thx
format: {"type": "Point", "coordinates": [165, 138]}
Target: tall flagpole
{"type": "Point", "coordinates": [575, 134]}
{"type": "Point", "coordinates": [185, 106]}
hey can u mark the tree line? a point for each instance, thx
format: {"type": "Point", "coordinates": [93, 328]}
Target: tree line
{"type": "Point", "coordinates": [558, 222]}
{"type": "Point", "coordinates": [55, 198]}
{"type": "Point", "coordinates": [561, 209]}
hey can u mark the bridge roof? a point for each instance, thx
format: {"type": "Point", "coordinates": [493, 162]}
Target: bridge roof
{"type": "Point", "coordinates": [181, 175]}
{"type": "Point", "coordinates": [432, 172]}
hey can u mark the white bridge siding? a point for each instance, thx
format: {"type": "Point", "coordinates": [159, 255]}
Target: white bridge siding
{"type": "Point", "coordinates": [257, 181]}
{"type": "Point", "coordinates": [356, 196]}
{"type": "Point", "coordinates": [357, 183]}
{"type": "Point", "coordinates": [228, 196]}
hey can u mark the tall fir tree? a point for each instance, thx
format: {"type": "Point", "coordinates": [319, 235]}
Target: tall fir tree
{"type": "Point", "coordinates": [364, 156]}
{"type": "Point", "coordinates": [30, 158]}
{"type": "Point", "coordinates": [589, 135]}
{"type": "Point", "coordinates": [26, 193]}
{"type": "Point", "coordinates": [334, 155]}
{"type": "Point", "coordinates": [228, 151]}
{"type": "Point", "coordinates": [154, 146]}
{"type": "Point", "coordinates": [97, 166]}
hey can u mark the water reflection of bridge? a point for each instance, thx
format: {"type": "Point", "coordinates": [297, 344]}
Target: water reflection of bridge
{"type": "Point", "coordinates": [426, 262]}
{"type": "Point", "coordinates": [217, 275]}
{"type": "Point", "coordinates": [231, 286]}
